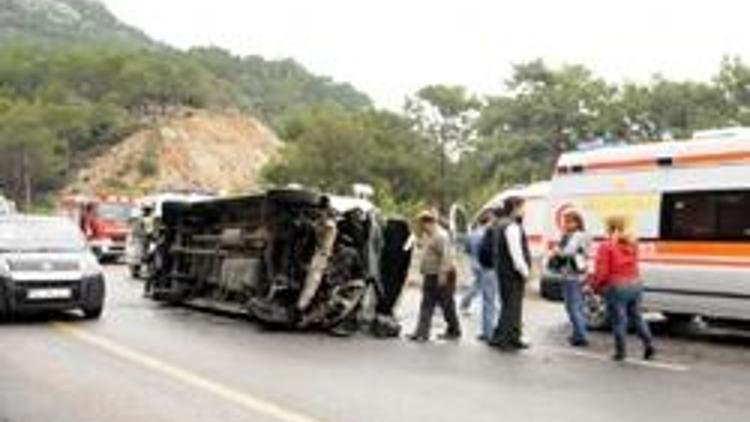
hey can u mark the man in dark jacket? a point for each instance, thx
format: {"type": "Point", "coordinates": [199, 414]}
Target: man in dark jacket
{"type": "Point", "coordinates": [513, 267]}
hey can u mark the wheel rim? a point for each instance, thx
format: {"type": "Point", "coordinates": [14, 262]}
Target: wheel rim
{"type": "Point", "coordinates": [595, 310]}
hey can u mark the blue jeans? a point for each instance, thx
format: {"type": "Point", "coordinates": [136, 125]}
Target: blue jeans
{"type": "Point", "coordinates": [574, 306]}
{"type": "Point", "coordinates": [490, 298]}
{"type": "Point", "coordinates": [623, 305]}
{"type": "Point", "coordinates": [473, 290]}
{"type": "Point", "coordinates": [485, 284]}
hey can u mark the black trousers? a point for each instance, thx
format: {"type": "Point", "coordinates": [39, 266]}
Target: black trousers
{"type": "Point", "coordinates": [434, 294]}
{"type": "Point", "coordinates": [508, 331]}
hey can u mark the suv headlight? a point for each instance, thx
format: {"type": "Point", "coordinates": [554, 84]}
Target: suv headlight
{"type": "Point", "coordinates": [90, 266]}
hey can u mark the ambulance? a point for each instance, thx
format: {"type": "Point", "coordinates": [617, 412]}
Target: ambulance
{"type": "Point", "coordinates": [688, 203]}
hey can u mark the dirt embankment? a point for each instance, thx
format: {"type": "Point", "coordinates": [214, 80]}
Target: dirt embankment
{"type": "Point", "coordinates": [199, 150]}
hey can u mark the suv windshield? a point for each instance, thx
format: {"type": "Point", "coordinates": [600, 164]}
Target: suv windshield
{"type": "Point", "coordinates": [114, 212]}
{"type": "Point", "coordinates": [40, 235]}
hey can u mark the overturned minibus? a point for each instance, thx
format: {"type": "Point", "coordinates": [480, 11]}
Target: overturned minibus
{"type": "Point", "coordinates": [292, 259]}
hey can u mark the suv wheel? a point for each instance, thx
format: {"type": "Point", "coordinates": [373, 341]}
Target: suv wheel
{"type": "Point", "coordinates": [135, 271]}
{"type": "Point", "coordinates": [93, 313]}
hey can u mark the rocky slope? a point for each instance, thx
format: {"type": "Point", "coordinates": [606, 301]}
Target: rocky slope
{"type": "Point", "coordinates": [198, 150]}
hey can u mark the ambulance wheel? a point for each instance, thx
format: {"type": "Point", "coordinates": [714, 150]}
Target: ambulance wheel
{"type": "Point", "coordinates": [135, 271]}
{"type": "Point", "coordinates": [674, 318]}
{"type": "Point", "coordinates": [595, 309]}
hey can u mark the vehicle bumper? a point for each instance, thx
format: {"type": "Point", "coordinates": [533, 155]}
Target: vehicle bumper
{"type": "Point", "coordinates": [107, 249]}
{"type": "Point", "coordinates": [86, 293]}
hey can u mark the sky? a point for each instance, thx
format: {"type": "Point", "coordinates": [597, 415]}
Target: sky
{"type": "Point", "coordinates": [391, 48]}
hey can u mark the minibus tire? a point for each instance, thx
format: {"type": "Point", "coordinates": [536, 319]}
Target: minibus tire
{"type": "Point", "coordinates": [674, 318]}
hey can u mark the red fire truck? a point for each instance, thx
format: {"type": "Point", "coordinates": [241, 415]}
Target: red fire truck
{"type": "Point", "coordinates": [103, 219]}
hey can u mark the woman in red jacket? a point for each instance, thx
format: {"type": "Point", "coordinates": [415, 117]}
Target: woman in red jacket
{"type": "Point", "coordinates": [617, 277]}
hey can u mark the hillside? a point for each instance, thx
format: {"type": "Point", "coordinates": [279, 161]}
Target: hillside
{"type": "Point", "coordinates": [198, 150]}
{"type": "Point", "coordinates": [275, 88]}
{"type": "Point", "coordinates": [64, 21]}
{"type": "Point", "coordinates": [74, 80]}
{"type": "Point", "coordinates": [82, 37]}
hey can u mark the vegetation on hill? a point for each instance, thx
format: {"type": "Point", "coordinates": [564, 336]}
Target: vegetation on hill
{"type": "Point", "coordinates": [74, 81]}
{"type": "Point", "coordinates": [276, 89]}
{"type": "Point", "coordinates": [62, 22]}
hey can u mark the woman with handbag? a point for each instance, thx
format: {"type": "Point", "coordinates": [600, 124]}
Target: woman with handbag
{"type": "Point", "coordinates": [569, 260]}
{"type": "Point", "coordinates": [617, 276]}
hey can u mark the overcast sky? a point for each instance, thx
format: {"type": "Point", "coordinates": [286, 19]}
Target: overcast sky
{"type": "Point", "coordinates": [390, 48]}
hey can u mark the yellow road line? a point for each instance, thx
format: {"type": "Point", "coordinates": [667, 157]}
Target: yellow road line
{"type": "Point", "coordinates": [248, 401]}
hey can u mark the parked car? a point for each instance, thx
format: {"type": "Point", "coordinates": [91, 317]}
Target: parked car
{"type": "Point", "coordinates": [45, 264]}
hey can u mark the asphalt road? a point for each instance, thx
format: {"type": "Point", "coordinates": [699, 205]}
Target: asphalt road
{"type": "Point", "coordinates": [146, 362]}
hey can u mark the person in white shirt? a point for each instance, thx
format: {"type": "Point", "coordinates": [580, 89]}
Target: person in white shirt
{"type": "Point", "coordinates": [513, 267]}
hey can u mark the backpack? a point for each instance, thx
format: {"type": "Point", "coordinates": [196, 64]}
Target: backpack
{"type": "Point", "coordinates": [487, 249]}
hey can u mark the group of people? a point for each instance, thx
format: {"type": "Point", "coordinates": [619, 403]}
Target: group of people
{"type": "Point", "coordinates": [501, 266]}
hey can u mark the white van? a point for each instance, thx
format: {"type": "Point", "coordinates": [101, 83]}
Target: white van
{"type": "Point", "coordinates": [7, 206]}
{"type": "Point", "coordinates": [689, 205]}
{"type": "Point", "coordinates": [135, 243]}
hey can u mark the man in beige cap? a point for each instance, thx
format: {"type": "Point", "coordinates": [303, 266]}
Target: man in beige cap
{"type": "Point", "coordinates": [439, 283]}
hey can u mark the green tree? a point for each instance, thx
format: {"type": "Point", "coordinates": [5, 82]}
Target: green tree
{"type": "Point", "coordinates": [446, 116]}
{"type": "Point", "coordinates": [733, 83]}
{"type": "Point", "coordinates": [331, 149]}
{"type": "Point", "coordinates": [556, 106]}
{"type": "Point", "coordinates": [29, 159]}
{"type": "Point", "coordinates": [669, 109]}
{"type": "Point", "coordinates": [544, 112]}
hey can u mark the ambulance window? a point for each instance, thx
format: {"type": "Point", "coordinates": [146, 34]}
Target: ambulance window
{"type": "Point", "coordinates": [733, 209]}
{"type": "Point", "coordinates": [688, 216]}
{"type": "Point", "coordinates": [706, 216]}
